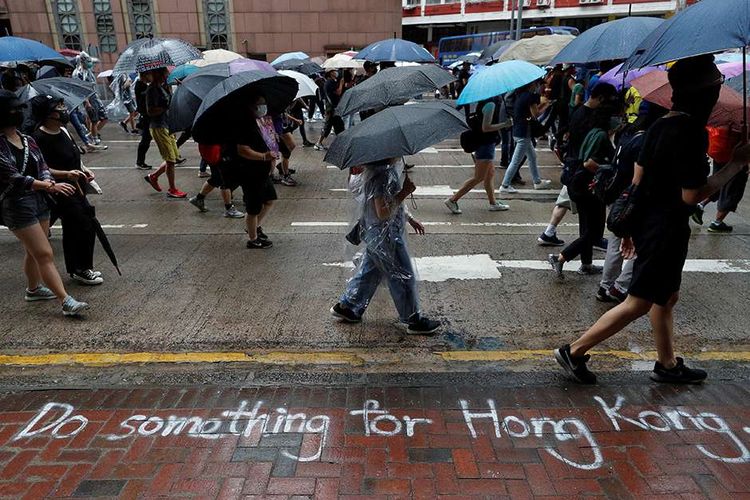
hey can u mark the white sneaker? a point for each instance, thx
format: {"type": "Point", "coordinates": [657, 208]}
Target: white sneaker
{"type": "Point", "coordinates": [508, 190]}
{"type": "Point", "coordinates": [543, 184]}
{"type": "Point", "coordinates": [499, 207]}
{"type": "Point", "coordinates": [453, 206]}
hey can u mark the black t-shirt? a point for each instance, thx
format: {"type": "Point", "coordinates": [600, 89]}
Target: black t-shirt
{"type": "Point", "coordinates": [158, 97]}
{"type": "Point", "coordinates": [522, 113]}
{"type": "Point", "coordinates": [674, 157]}
{"type": "Point", "coordinates": [58, 150]}
{"type": "Point", "coordinates": [581, 123]}
{"type": "Point", "coordinates": [248, 135]}
{"type": "Point", "coordinates": [140, 97]}
{"type": "Point", "coordinates": [331, 87]}
{"type": "Point", "coordinates": [32, 168]}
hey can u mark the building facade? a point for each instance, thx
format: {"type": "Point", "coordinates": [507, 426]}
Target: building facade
{"type": "Point", "coordinates": [426, 21]}
{"type": "Point", "coordinates": [257, 28]}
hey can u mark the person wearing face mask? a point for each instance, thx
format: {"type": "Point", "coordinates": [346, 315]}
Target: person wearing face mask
{"type": "Point", "coordinates": [24, 177]}
{"type": "Point", "coordinates": [672, 177]}
{"type": "Point", "coordinates": [333, 90]}
{"type": "Point", "coordinates": [64, 162]}
{"type": "Point", "coordinates": [93, 104]}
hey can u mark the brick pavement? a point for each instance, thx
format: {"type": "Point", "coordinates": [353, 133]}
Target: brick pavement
{"type": "Point", "coordinates": [642, 441]}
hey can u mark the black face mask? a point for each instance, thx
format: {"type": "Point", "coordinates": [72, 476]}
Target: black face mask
{"type": "Point", "coordinates": [12, 119]}
{"type": "Point", "coordinates": [63, 117]}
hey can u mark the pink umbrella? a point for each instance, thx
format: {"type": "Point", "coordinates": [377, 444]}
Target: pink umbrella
{"type": "Point", "coordinates": [242, 65]}
{"type": "Point", "coordinates": [614, 77]}
{"type": "Point", "coordinates": [654, 87]}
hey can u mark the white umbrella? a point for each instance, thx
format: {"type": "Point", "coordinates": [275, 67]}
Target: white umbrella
{"type": "Point", "coordinates": [307, 86]}
{"type": "Point", "coordinates": [539, 50]}
{"type": "Point", "coordinates": [104, 74]}
{"type": "Point", "coordinates": [215, 56]}
{"type": "Point", "coordinates": [343, 61]}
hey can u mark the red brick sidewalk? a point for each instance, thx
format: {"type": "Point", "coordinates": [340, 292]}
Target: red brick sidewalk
{"type": "Point", "coordinates": [652, 441]}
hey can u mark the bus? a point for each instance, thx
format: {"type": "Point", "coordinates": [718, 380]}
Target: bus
{"type": "Point", "coordinates": [450, 48]}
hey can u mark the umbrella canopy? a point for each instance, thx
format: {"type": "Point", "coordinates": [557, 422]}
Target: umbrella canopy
{"type": "Point", "coordinates": [732, 69]}
{"type": "Point", "coordinates": [72, 90]}
{"type": "Point", "coordinates": [215, 56]}
{"type": "Point", "coordinates": [539, 50]}
{"type": "Point", "coordinates": [704, 27]}
{"type": "Point", "coordinates": [307, 86]}
{"type": "Point", "coordinates": [304, 66]}
{"type": "Point", "coordinates": [104, 74]}
{"type": "Point", "coordinates": [494, 51]}
{"type": "Point", "coordinates": [222, 109]}
{"type": "Point", "coordinates": [616, 77]}
{"type": "Point", "coordinates": [240, 65]}
{"type": "Point", "coordinates": [394, 132]}
{"type": "Point", "coordinates": [499, 79]}
{"type": "Point", "coordinates": [343, 61]}
{"type": "Point", "coordinates": [16, 49]}
{"type": "Point", "coordinates": [181, 72]}
{"type": "Point", "coordinates": [654, 87]}
{"type": "Point", "coordinates": [608, 41]}
{"type": "Point", "coordinates": [288, 56]}
{"type": "Point", "coordinates": [47, 72]}
{"type": "Point", "coordinates": [393, 86]}
{"type": "Point", "coordinates": [395, 49]}
{"type": "Point", "coordinates": [153, 53]}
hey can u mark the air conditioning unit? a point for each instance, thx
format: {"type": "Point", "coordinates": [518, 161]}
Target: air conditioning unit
{"type": "Point", "coordinates": [543, 3]}
{"type": "Point", "coordinates": [589, 2]}
{"type": "Point", "coordinates": [526, 3]}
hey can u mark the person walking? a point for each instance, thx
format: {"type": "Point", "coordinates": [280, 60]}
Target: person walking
{"type": "Point", "coordinates": [96, 111]}
{"type": "Point", "coordinates": [123, 86]}
{"type": "Point", "coordinates": [24, 177]}
{"type": "Point", "coordinates": [144, 123]}
{"type": "Point", "coordinates": [334, 88]}
{"type": "Point", "coordinates": [672, 177]}
{"type": "Point", "coordinates": [486, 123]}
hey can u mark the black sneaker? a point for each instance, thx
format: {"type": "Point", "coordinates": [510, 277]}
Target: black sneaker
{"type": "Point", "coordinates": [602, 295]}
{"type": "Point", "coordinates": [124, 127]}
{"type": "Point", "coordinates": [408, 166]}
{"type": "Point", "coordinates": [143, 166]}
{"type": "Point", "coordinates": [697, 215]}
{"type": "Point", "coordinates": [557, 266]}
{"type": "Point", "coordinates": [549, 241]}
{"type": "Point", "coordinates": [180, 161]}
{"type": "Point", "coordinates": [422, 326]}
{"type": "Point", "coordinates": [616, 294]}
{"type": "Point", "coordinates": [345, 314]}
{"type": "Point", "coordinates": [602, 245]}
{"type": "Point", "coordinates": [719, 227]}
{"type": "Point", "coordinates": [307, 144]}
{"type": "Point", "coordinates": [259, 244]}
{"type": "Point", "coordinates": [680, 374]}
{"type": "Point", "coordinates": [576, 367]}
{"type": "Point", "coordinates": [261, 235]}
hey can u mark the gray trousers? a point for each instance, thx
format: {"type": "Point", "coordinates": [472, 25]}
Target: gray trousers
{"type": "Point", "coordinates": [615, 273]}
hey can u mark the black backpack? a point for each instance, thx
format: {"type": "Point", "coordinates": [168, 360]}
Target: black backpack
{"type": "Point", "coordinates": [474, 137]}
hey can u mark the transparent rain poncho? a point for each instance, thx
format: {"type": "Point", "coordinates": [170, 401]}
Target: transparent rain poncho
{"type": "Point", "coordinates": [385, 256]}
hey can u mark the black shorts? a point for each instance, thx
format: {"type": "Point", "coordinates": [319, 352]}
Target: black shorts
{"type": "Point", "coordinates": [256, 192]}
{"type": "Point", "coordinates": [217, 177]}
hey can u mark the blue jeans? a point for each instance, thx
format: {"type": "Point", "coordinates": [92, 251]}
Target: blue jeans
{"type": "Point", "coordinates": [78, 120]}
{"type": "Point", "coordinates": [386, 257]}
{"type": "Point", "coordinates": [524, 149]}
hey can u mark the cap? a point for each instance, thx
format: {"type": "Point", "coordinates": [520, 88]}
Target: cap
{"type": "Point", "coordinates": [42, 105]}
{"type": "Point", "coordinates": [8, 101]}
{"type": "Point", "coordinates": [694, 73]}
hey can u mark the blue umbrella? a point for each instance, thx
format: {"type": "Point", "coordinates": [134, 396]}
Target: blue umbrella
{"type": "Point", "coordinates": [499, 79]}
{"type": "Point", "coordinates": [14, 49]}
{"type": "Point", "coordinates": [181, 72]}
{"type": "Point", "coordinates": [290, 55]}
{"type": "Point", "coordinates": [395, 49]}
{"type": "Point", "coordinates": [608, 41]}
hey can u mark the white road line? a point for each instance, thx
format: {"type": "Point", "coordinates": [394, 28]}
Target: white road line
{"type": "Point", "coordinates": [135, 169]}
{"type": "Point", "coordinates": [333, 167]}
{"type": "Point", "coordinates": [441, 190]}
{"type": "Point", "coordinates": [720, 266]}
{"type": "Point", "coordinates": [104, 226]}
{"type": "Point", "coordinates": [436, 223]}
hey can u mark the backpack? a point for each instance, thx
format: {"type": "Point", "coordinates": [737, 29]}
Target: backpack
{"type": "Point", "coordinates": [611, 180]}
{"type": "Point", "coordinates": [574, 175]}
{"type": "Point", "coordinates": [210, 153]}
{"type": "Point", "coordinates": [475, 137]}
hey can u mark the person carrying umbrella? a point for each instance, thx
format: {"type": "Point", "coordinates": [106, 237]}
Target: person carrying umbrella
{"type": "Point", "coordinates": [94, 106]}
{"type": "Point", "coordinates": [333, 89]}
{"type": "Point", "coordinates": [24, 177]}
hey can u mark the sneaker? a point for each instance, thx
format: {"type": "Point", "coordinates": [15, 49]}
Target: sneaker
{"type": "Point", "coordinates": [97, 141]}
{"type": "Point", "coordinates": [697, 215]}
{"type": "Point", "coordinates": [508, 190]}
{"type": "Point", "coordinates": [453, 206]}
{"type": "Point", "coordinates": [499, 206]}
{"type": "Point", "coordinates": [518, 180]}
{"type": "Point", "coordinates": [345, 314]}
{"type": "Point", "coordinates": [153, 182]}
{"type": "Point", "coordinates": [261, 235]}
{"type": "Point", "coordinates": [87, 277]}
{"type": "Point", "coordinates": [39, 293]}
{"type": "Point", "coordinates": [143, 166]}
{"type": "Point", "coordinates": [276, 179]}
{"type": "Point", "coordinates": [602, 245]}
{"type": "Point", "coordinates": [72, 307]}
{"type": "Point", "coordinates": [543, 184]}
{"type": "Point", "coordinates": [589, 270]}
{"type": "Point", "coordinates": [602, 295]}
{"type": "Point", "coordinates": [259, 244]}
{"type": "Point", "coordinates": [549, 241]}
{"type": "Point", "coordinates": [307, 144]}
{"type": "Point", "coordinates": [180, 161]}
{"type": "Point", "coordinates": [204, 175]}
{"type": "Point", "coordinates": [135, 131]}
{"type": "Point", "coordinates": [292, 171]}
{"type": "Point", "coordinates": [615, 294]}
{"type": "Point", "coordinates": [719, 227]}
{"type": "Point", "coordinates": [124, 127]}
{"type": "Point", "coordinates": [557, 266]}
{"type": "Point", "coordinates": [233, 213]}
{"type": "Point", "coordinates": [680, 374]}
{"type": "Point", "coordinates": [288, 181]}
{"type": "Point", "coordinates": [319, 147]}
{"type": "Point", "coordinates": [408, 166]}
{"type": "Point", "coordinates": [576, 367]}
{"type": "Point", "coordinates": [199, 203]}
{"type": "Point", "coordinates": [95, 148]}
{"type": "Point", "coordinates": [176, 193]}
{"type": "Point", "coordinates": [422, 326]}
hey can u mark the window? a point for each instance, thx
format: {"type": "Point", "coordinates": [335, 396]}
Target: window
{"type": "Point", "coordinates": [141, 18]}
{"type": "Point", "coordinates": [217, 25]}
{"type": "Point", "coordinates": [105, 26]}
{"type": "Point", "coordinates": [67, 24]}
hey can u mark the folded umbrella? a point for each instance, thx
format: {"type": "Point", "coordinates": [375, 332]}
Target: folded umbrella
{"type": "Point", "coordinates": [539, 50]}
{"type": "Point", "coordinates": [608, 41]}
{"type": "Point", "coordinates": [307, 86]}
{"type": "Point", "coordinates": [224, 108]}
{"type": "Point", "coordinates": [499, 79]}
{"type": "Point", "coordinates": [16, 49]}
{"type": "Point", "coordinates": [304, 66]}
{"type": "Point", "coordinates": [397, 131]}
{"type": "Point", "coordinates": [215, 56]}
{"type": "Point", "coordinates": [288, 56]}
{"type": "Point", "coordinates": [168, 51]}
{"type": "Point", "coordinates": [72, 90]}
{"type": "Point", "coordinates": [395, 49]}
{"type": "Point", "coordinates": [393, 86]}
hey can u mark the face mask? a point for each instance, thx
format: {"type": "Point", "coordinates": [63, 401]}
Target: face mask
{"type": "Point", "coordinates": [63, 116]}
{"type": "Point", "coordinates": [12, 119]}
{"type": "Point", "coordinates": [89, 65]}
{"type": "Point", "coordinates": [261, 110]}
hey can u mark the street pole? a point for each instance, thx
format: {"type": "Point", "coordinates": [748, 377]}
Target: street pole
{"type": "Point", "coordinates": [512, 29]}
{"type": "Point", "coordinates": [519, 24]}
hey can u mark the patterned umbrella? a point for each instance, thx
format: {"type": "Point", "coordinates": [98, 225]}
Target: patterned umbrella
{"type": "Point", "coordinates": [152, 53]}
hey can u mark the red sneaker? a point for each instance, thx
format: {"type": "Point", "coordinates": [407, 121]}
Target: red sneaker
{"type": "Point", "coordinates": [176, 193]}
{"type": "Point", "coordinates": [153, 182]}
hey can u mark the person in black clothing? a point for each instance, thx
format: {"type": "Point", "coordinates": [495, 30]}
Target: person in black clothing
{"type": "Point", "coordinates": [334, 88]}
{"type": "Point", "coordinates": [64, 162]}
{"type": "Point", "coordinates": [297, 111]}
{"type": "Point", "coordinates": [371, 69]}
{"type": "Point", "coordinates": [140, 88]}
{"type": "Point", "coordinates": [672, 177]}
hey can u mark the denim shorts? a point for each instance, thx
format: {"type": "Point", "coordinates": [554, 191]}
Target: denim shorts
{"type": "Point", "coordinates": [485, 152]}
{"type": "Point", "coordinates": [19, 212]}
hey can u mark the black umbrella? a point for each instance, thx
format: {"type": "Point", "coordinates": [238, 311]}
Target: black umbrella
{"type": "Point", "coordinates": [224, 107]}
{"type": "Point", "coordinates": [106, 245]}
{"type": "Point", "coordinates": [72, 90]}
{"type": "Point", "coordinates": [397, 131]}
{"type": "Point", "coordinates": [393, 86]}
{"type": "Point", "coordinates": [189, 95]}
{"type": "Point", "coordinates": [494, 51]}
{"type": "Point", "coordinates": [304, 66]}
{"type": "Point", "coordinates": [157, 52]}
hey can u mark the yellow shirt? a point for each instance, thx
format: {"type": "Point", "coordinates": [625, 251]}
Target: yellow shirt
{"type": "Point", "coordinates": [632, 104]}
